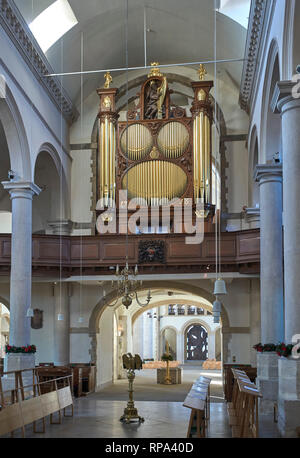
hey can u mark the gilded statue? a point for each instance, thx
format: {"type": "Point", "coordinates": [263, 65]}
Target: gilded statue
{"type": "Point", "coordinates": [155, 98]}
{"type": "Point", "coordinates": [202, 72]}
{"type": "Point", "coordinates": [108, 80]}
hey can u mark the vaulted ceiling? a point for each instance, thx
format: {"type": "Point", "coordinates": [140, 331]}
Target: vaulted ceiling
{"type": "Point", "coordinates": [178, 32]}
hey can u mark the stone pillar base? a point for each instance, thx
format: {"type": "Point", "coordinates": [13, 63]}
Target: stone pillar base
{"type": "Point", "coordinates": [17, 362]}
{"type": "Point", "coordinates": [289, 397]}
{"type": "Point", "coordinates": [267, 381]}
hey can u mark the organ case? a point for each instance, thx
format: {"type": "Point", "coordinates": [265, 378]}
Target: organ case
{"type": "Point", "coordinates": [159, 153]}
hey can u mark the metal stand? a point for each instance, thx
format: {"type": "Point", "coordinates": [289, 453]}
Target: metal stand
{"type": "Point", "coordinates": [130, 412]}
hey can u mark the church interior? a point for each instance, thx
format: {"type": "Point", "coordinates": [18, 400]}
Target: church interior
{"type": "Point", "coordinates": [149, 231]}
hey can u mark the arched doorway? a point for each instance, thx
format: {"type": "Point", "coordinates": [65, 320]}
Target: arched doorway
{"type": "Point", "coordinates": [196, 343]}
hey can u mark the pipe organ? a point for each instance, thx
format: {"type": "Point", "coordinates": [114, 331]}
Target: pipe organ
{"type": "Point", "coordinates": [160, 153]}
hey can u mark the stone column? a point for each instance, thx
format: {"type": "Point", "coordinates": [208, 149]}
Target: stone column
{"type": "Point", "coordinates": [271, 269]}
{"type": "Point", "coordinates": [21, 194]}
{"type": "Point", "coordinates": [147, 327]}
{"type": "Point", "coordinates": [271, 279]}
{"type": "Point", "coordinates": [255, 331]}
{"type": "Point", "coordinates": [61, 324]}
{"type": "Point", "coordinates": [211, 345]}
{"type": "Point", "coordinates": [155, 335]}
{"type": "Point", "coordinates": [285, 102]}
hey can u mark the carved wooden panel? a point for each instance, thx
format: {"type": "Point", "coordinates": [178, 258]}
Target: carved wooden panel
{"type": "Point", "coordinates": [89, 251]}
{"type": "Point", "coordinates": [113, 251]}
{"type": "Point", "coordinates": [182, 250]}
{"type": "Point", "coordinates": [228, 248]}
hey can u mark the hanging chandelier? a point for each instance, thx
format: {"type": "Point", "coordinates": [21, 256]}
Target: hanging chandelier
{"type": "Point", "coordinates": [128, 285]}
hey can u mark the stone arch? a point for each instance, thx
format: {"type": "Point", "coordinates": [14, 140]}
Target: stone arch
{"type": "Point", "coordinates": [291, 39]}
{"type": "Point", "coordinates": [16, 136]}
{"type": "Point", "coordinates": [167, 302]}
{"type": "Point", "coordinates": [176, 286]}
{"type": "Point", "coordinates": [49, 174]}
{"type": "Point", "coordinates": [4, 302]}
{"type": "Point", "coordinates": [253, 161]}
{"type": "Point", "coordinates": [270, 131]}
{"type": "Point", "coordinates": [195, 320]}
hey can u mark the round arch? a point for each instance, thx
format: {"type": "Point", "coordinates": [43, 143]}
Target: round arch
{"type": "Point", "coordinates": [4, 302]}
{"type": "Point", "coordinates": [53, 203]}
{"type": "Point", "coordinates": [16, 136]}
{"type": "Point", "coordinates": [253, 148]}
{"type": "Point", "coordinates": [167, 302]}
{"type": "Point", "coordinates": [270, 131]}
{"type": "Point", "coordinates": [195, 321]}
{"type": "Point", "coordinates": [176, 286]}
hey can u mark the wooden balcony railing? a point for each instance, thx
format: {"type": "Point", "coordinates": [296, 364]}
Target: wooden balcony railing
{"type": "Point", "coordinates": [240, 253]}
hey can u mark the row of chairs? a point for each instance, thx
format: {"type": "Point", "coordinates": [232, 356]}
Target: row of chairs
{"type": "Point", "coordinates": [198, 400]}
{"type": "Point", "coordinates": [24, 405]}
{"type": "Point", "coordinates": [243, 410]}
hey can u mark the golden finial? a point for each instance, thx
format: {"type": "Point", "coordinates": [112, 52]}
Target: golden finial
{"type": "Point", "coordinates": [108, 80]}
{"type": "Point", "coordinates": [155, 70]}
{"type": "Point", "coordinates": [202, 72]}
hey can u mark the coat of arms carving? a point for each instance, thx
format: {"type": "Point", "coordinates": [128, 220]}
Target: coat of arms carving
{"type": "Point", "coordinates": [151, 251]}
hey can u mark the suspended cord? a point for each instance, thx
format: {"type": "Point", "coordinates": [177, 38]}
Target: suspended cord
{"type": "Point", "coordinates": [127, 121]}
{"type": "Point", "coordinates": [61, 184]}
{"type": "Point", "coordinates": [81, 134]}
{"type": "Point", "coordinates": [215, 135]}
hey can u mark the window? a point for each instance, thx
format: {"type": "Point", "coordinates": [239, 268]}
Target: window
{"type": "Point", "coordinates": [238, 10]}
{"type": "Point", "coordinates": [171, 310]}
{"type": "Point", "coordinates": [53, 23]}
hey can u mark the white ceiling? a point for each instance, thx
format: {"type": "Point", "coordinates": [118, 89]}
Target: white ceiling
{"type": "Point", "coordinates": [179, 31]}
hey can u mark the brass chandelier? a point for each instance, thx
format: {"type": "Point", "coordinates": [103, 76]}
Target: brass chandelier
{"type": "Point", "coordinates": [128, 285]}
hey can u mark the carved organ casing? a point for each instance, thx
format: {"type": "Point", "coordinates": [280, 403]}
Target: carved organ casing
{"type": "Point", "coordinates": [159, 153]}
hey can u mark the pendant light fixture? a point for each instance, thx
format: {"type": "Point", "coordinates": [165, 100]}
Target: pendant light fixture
{"type": "Point", "coordinates": [30, 313]}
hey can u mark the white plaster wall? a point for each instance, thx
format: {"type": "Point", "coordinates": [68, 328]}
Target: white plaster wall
{"type": "Point", "coordinates": [80, 345]}
{"type": "Point", "coordinates": [81, 188]}
{"type": "Point", "coordinates": [239, 348]}
{"type": "Point", "coordinates": [5, 222]}
{"type": "Point", "coordinates": [105, 349]}
{"type": "Point", "coordinates": [43, 299]}
{"type": "Point", "coordinates": [237, 176]}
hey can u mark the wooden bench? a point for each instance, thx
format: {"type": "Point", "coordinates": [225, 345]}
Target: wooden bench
{"type": "Point", "coordinates": [49, 374]}
{"type": "Point", "coordinates": [198, 401]}
{"type": "Point", "coordinates": [23, 412]}
{"type": "Point", "coordinates": [243, 410]}
{"type": "Point", "coordinates": [84, 378]}
{"type": "Point", "coordinates": [228, 379]}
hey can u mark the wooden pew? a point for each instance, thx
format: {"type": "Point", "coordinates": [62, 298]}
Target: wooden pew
{"type": "Point", "coordinates": [228, 380]}
{"type": "Point", "coordinates": [29, 411]}
{"type": "Point", "coordinates": [243, 410]}
{"type": "Point", "coordinates": [198, 401]}
{"type": "Point", "coordinates": [84, 378]}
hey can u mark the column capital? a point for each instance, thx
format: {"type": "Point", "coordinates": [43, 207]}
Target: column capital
{"type": "Point", "coordinates": [283, 97]}
{"type": "Point", "coordinates": [268, 173]}
{"type": "Point", "coordinates": [25, 189]}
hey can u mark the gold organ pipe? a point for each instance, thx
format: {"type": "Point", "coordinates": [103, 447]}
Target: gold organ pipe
{"type": "Point", "coordinates": [102, 158]}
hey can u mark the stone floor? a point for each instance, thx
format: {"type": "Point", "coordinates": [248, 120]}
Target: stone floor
{"type": "Point", "coordinates": [98, 415]}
